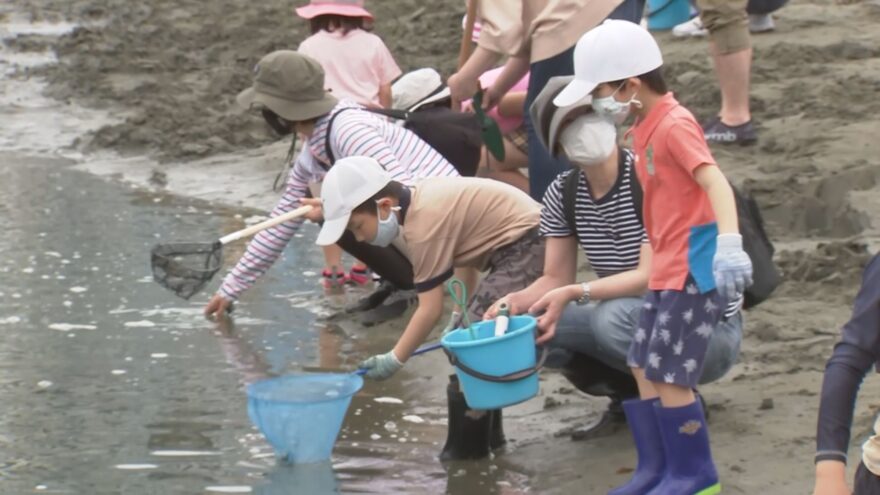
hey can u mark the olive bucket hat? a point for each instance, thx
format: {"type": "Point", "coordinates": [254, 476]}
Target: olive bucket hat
{"type": "Point", "coordinates": [291, 85]}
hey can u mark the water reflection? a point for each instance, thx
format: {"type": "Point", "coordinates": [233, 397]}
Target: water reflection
{"type": "Point", "coordinates": [289, 479]}
{"type": "Point", "coordinates": [111, 384]}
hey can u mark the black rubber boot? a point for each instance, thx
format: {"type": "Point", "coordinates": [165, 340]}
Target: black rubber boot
{"type": "Point", "coordinates": [611, 421]}
{"type": "Point", "coordinates": [593, 377]}
{"type": "Point", "coordinates": [372, 299]}
{"type": "Point", "coordinates": [468, 431]}
{"type": "Point", "coordinates": [496, 438]}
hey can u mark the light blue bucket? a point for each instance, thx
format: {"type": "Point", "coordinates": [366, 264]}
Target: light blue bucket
{"type": "Point", "coordinates": [495, 372]}
{"type": "Point", "coordinates": [301, 415]}
{"type": "Point", "coordinates": [666, 14]}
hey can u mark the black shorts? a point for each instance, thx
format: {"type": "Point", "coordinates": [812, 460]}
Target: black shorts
{"type": "Point", "coordinates": [866, 483]}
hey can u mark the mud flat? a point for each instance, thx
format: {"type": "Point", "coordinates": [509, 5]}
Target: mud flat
{"type": "Point", "coordinates": [169, 71]}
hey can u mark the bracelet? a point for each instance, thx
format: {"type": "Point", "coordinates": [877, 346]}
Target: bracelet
{"type": "Point", "coordinates": [585, 298]}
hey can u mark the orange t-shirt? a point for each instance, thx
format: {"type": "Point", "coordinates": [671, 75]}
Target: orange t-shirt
{"type": "Point", "coordinates": [679, 220]}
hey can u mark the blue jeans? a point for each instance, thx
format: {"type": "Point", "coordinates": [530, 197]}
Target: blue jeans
{"type": "Point", "coordinates": [604, 331]}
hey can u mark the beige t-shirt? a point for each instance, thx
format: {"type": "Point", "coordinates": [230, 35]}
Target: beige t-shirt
{"type": "Point", "coordinates": [538, 29]}
{"type": "Point", "coordinates": [460, 222]}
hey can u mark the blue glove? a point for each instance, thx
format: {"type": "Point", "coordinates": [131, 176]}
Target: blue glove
{"type": "Point", "coordinates": [731, 267]}
{"type": "Point", "coordinates": [382, 366]}
{"type": "Point", "coordinates": [452, 324]}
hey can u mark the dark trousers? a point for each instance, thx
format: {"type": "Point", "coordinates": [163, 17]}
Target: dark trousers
{"type": "Point", "coordinates": [629, 10]}
{"type": "Point", "coordinates": [593, 377]}
{"type": "Point", "coordinates": [866, 483]}
{"type": "Point", "coordinates": [543, 168]}
{"type": "Point", "coordinates": [387, 262]}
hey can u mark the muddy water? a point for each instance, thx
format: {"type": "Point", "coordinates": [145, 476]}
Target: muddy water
{"type": "Point", "coordinates": [111, 384]}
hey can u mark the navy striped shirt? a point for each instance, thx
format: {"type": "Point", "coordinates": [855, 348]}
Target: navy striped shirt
{"type": "Point", "coordinates": [609, 230]}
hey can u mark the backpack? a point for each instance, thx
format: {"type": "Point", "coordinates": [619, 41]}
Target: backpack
{"type": "Point", "coordinates": [455, 135]}
{"type": "Point", "coordinates": [751, 226]}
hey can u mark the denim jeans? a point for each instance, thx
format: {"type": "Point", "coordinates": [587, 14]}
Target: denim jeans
{"type": "Point", "coordinates": [604, 330]}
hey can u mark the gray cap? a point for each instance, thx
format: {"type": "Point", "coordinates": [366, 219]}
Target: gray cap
{"type": "Point", "coordinates": [548, 119]}
{"type": "Point", "coordinates": [291, 85]}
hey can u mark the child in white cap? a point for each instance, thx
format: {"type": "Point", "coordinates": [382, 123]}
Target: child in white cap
{"type": "Point", "coordinates": [698, 263]}
{"type": "Point", "coordinates": [444, 224]}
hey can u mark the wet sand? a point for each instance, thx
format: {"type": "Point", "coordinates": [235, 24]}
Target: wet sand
{"type": "Point", "coordinates": [170, 71]}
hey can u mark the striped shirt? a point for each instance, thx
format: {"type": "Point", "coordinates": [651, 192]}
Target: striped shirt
{"type": "Point", "coordinates": [609, 229]}
{"type": "Point", "coordinates": [355, 133]}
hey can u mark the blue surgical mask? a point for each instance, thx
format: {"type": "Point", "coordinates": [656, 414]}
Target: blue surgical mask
{"type": "Point", "coordinates": [613, 110]}
{"type": "Point", "coordinates": [387, 229]}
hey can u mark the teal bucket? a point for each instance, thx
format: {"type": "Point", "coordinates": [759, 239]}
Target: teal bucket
{"type": "Point", "coordinates": [495, 372]}
{"type": "Point", "coordinates": [666, 14]}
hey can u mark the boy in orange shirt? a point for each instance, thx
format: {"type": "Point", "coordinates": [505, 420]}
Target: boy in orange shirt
{"type": "Point", "coordinates": [698, 264]}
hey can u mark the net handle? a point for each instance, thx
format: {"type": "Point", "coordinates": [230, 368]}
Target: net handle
{"type": "Point", "coordinates": [265, 224]}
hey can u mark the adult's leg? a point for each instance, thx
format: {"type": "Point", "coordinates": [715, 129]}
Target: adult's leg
{"type": "Point", "coordinates": [730, 45]}
{"type": "Point", "coordinates": [587, 339]}
{"type": "Point", "coordinates": [723, 349]}
{"type": "Point", "coordinates": [629, 10]}
{"type": "Point", "coordinates": [542, 167]}
{"type": "Point", "coordinates": [602, 330]}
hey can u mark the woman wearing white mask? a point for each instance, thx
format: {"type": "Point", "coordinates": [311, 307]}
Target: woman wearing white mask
{"type": "Point", "coordinates": [597, 206]}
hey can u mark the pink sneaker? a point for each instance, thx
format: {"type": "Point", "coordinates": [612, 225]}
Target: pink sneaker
{"type": "Point", "coordinates": [333, 279]}
{"type": "Point", "coordinates": [359, 276]}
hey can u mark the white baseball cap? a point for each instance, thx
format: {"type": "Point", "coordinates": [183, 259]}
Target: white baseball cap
{"type": "Point", "coordinates": [350, 181]}
{"type": "Point", "coordinates": [414, 87]}
{"type": "Point", "coordinates": [612, 51]}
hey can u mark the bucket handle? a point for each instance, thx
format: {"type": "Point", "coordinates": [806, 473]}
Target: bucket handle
{"type": "Point", "coordinates": [510, 377]}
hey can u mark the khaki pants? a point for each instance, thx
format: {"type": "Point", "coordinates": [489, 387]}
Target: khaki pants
{"type": "Point", "coordinates": [728, 24]}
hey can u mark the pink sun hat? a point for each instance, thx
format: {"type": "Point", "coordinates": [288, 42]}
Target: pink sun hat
{"type": "Point", "coordinates": [347, 8]}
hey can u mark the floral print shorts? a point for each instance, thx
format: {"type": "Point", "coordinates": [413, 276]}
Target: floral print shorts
{"type": "Point", "coordinates": [673, 334]}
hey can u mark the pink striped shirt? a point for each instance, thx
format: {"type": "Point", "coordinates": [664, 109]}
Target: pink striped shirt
{"type": "Point", "coordinates": [354, 133]}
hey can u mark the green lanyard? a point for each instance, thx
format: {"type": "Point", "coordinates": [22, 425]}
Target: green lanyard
{"type": "Point", "coordinates": [458, 291]}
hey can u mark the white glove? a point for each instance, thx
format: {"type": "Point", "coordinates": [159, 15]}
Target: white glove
{"type": "Point", "coordinates": [382, 366]}
{"type": "Point", "coordinates": [731, 266]}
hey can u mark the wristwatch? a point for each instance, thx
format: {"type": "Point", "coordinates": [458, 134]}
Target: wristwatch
{"type": "Point", "coordinates": [584, 299]}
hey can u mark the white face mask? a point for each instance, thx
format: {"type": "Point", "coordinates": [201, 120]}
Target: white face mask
{"type": "Point", "coordinates": [387, 229]}
{"type": "Point", "coordinates": [588, 140]}
{"type": "Point", "coordinates": [610, 108]}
